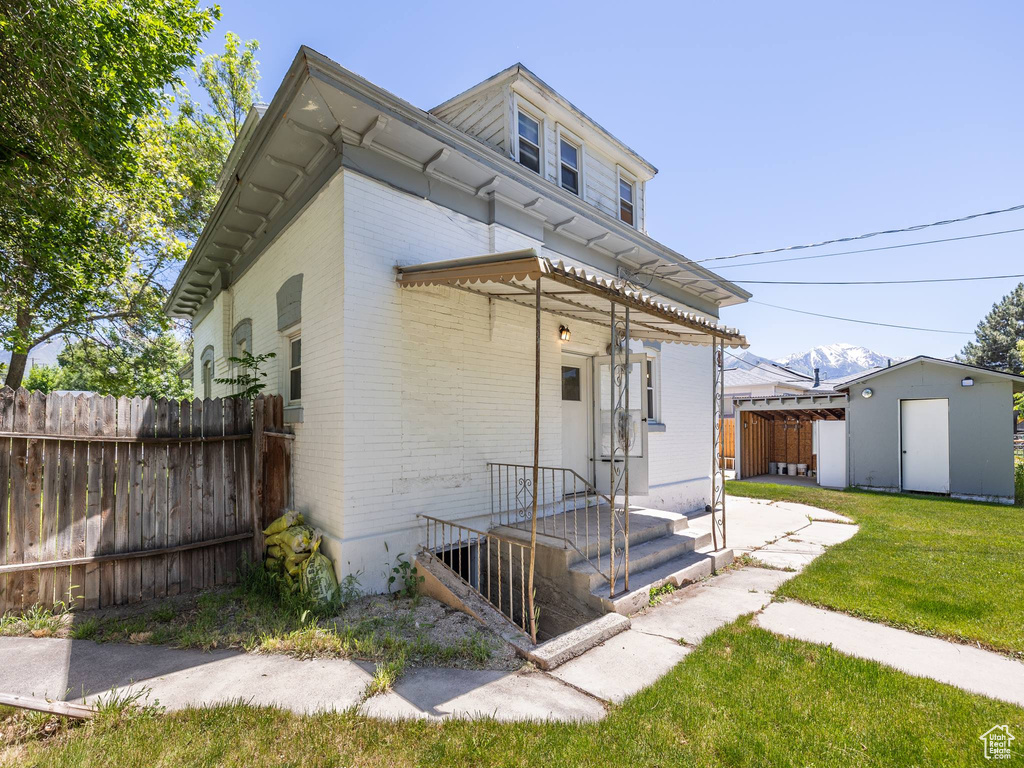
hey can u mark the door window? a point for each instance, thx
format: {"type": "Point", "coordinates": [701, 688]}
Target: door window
{"type": "Point", "coordinates": [571, 383]}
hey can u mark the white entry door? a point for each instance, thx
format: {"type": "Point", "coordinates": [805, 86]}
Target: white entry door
{"type": "Point", "coordinates": [634, 426]}
{"type": "Point", "coordinates": [924, 442]}
{"type": "Point", "coordinates": [576, 410]}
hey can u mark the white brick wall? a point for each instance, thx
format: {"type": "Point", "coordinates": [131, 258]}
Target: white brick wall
{"type": "Point", "coordinates": [408, 393]}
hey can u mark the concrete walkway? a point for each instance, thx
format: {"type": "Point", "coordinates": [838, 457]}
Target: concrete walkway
{"type": "Point", "coordinates": [970, 668]}
{"type": "Point", "coordinates": [578, 690]}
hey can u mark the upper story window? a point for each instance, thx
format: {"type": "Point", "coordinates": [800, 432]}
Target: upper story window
{"type": "Point", "coordinates": [529, 142]}
{"type": "Point", "coordinates": [207, 373]}
{"type": "Point", "coordinates": [627, 201]}
{"type": "Point", "coordinates": [569, 166]}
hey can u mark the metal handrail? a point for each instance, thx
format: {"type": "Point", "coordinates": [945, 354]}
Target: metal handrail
{"type": "Point", "coordinates": [512, 503]}
{"type": "Point", "coordinates": [448, 550]}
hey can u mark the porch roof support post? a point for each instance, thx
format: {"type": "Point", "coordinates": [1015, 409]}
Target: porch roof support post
{"type": "Point", "coordinates": [536, 464]}
{"type": "Point", "coordinates": [717, 444]}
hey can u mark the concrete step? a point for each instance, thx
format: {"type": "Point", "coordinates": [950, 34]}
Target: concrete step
{"type": "Point", "coordinates": [642, 557]}
{"type": "Point", "coordinates": [689, 567]}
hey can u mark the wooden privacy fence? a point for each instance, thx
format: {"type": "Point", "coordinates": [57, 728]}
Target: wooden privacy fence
{"type": "Point", "coordinates": [106, 501]}
{"type": "Point", "coordinates": [729, 442]}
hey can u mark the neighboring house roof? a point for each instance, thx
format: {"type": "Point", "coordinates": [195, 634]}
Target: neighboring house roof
{"type": "Point", "coordinates": [1018, 381]}
{"type": "Point", "coordinates": [767, 373]}
{"type": "Point", "coordinates": [324, 118]}
{"type": "Point", "coordinates": [519, 71]}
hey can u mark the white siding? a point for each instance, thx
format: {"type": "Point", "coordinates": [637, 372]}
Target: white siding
{"type": "Point", "coordinates": [484, 116]}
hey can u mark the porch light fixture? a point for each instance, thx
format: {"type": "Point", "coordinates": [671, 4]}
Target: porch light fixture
{"type": "Point", "coordinates": [967, 381]}
{"type": "Point", "coordinates": [868, 392]}
{"type": "Point", "coordinates": [564, 333]}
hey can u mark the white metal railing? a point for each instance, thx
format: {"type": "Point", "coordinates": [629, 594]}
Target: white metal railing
{"type": "Point", "coordinates": [569, 508]}
{"type": "Point", "coordinates": [482, 561]}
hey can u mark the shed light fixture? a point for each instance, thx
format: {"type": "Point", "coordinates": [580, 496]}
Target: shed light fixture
{"type": "Point", "coordinates": [868, 392]}
{"type": "Point", "coordinates": [967, 381]}
{"type": "Point", "coordinates": [564, 333]}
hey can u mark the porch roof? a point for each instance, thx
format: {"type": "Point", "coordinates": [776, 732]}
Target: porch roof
{"type": "Point", "coordinates": [569, 292]}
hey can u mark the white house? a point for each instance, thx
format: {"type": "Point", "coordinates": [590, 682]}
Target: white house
{"type": "Point", "coordinates": [402, 381]}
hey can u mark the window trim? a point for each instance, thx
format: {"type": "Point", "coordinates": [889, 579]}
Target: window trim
{"type": "Point", "coordinates": [624, 176]}
{"type": "Point", "coordinates": [289, 340]}
{"type": "Point", "coordinates": [652, 394]}
{"type": "Point", "coordinates": [521, 105]}
{"type": "Point", "coordinates": [563, 134]}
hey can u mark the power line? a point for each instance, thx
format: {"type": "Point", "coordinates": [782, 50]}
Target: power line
{"type": "Point", "coordinates": [914, 228]}
{"type": "Point", "coordinates": [862, 322]}
{"type": "Point", "coordinates": [870, 250]}
{"type": "Point", "coordinates": [875, 282]}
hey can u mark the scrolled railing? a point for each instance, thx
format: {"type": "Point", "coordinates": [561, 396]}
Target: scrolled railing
{"type": "Point", "coordinates": [482, 560]}
{"type": "Point", "coordinates": [568, 508]}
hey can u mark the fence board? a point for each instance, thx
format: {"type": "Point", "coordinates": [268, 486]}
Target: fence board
{"type": "Point", "coordinates": [80, 513]}
{"type": "Point", "coordinates": [65, 496]}
{"type": "Point", "coordinates": [19, 498]}
{"type": "Point", "coordinates": [185, 511]}
{"type": "Point", "coordinates": [137, 499]}
{"type": "Point", "coordinates": [212, 426]}
{"type": "Point", "coordinates": [6, 425]}
{"type": "Point", "coordinates": [122, 493]}
{"type": "Point", "coordinates": [51, 485]}
{"type": "Point", "coordinates": [93, 519]}
{"type": "Point", "coordinates": [108, 478]}
{"type": "Point", "coordinates": [149, 510]}
{"type": "Point", "coordinates": [198, 502]}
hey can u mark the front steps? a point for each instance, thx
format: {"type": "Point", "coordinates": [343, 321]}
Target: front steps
{"type": "Point", "coordinates": [662, 550]}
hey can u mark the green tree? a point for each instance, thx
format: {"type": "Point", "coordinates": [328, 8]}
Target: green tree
{"type": "Point", "coordinates": [146, 367]}
{"type": "Point", "coordinates": [996, 342]}
{"type": "Point", "coordinates": [44, 378]}
{"type": "Point", "coordinates": [94, 257]}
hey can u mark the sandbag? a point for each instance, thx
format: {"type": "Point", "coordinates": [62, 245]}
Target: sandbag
{"type": "Point", "coordinates": [274, 564]}
{"type": "Point", "coordinates": [318, 580]}
{"type": "Point", "coordinates": [275, 551]}
{"type": "Point", "coordinates": [284, 522]}
{"type": "Point", "coordinates": [293, 563]}
{"type": "Point", "coordinates": [298, 538]}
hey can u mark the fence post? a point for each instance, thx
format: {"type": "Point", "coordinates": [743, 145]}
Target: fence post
{"type": "Point", "coordinates": [258, 448]}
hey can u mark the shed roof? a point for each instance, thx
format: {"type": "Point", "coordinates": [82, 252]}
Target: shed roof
{"type": "Point", "coordinates": [1018, 381]}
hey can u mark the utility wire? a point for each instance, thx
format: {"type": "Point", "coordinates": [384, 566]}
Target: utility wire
{"type": "Point", "coordinates": [914, 228]}
{"type": "Point", "coordinates": [874, 282]}
{"type": "Point", "coordinates": [870, 250]}
{"type": "Point", "coordinates": [862, 322]}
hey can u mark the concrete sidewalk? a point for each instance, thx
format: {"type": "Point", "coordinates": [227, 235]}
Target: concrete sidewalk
{"type": "Point", "coordinates": [578, 690]}
{"type": "Point", "coordinates": [966, 667]}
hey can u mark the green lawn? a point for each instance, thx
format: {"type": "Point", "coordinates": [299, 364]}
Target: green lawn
{"type": "Point", "coordinates": [930, 565]}
{"type": "Point", "coordinates": [743, 698]}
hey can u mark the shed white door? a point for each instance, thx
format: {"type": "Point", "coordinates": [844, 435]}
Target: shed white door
{"type": "Point", "coordinates": [576, 406]}
{"type": "Point", "coordinates": [634, 426]}
{"type": "Point", "coordinates": [924, 442]}
{"type": "Point", "coordinates": [831, 450]}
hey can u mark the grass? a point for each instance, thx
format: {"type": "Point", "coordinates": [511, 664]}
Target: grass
{"type": "Point", "coordinates": [745, 697]}
{"type": "Point", "coordinates": [931, 565]}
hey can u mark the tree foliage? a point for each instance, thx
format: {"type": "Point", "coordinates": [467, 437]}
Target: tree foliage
{"type": "Point", "coordinates": [996, 342]}
{"type": "Point", "coordinates": [90, 252]}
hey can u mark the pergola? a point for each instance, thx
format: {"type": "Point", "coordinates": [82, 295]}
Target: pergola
{"type": "Point", "coordinates": [534, 281]}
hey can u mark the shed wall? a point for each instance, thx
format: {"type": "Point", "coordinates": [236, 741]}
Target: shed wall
{"type": "Point", "coordinates": [980, 428]}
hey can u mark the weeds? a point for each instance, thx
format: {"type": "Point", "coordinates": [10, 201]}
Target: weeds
{"type": "Point", "coordinates": [36, 621]}
{"type": "Point", "coordinates": [409, 576]}
{"type": "Point", "coordinates": [385, 676]}
{"type": "Point", "coordinates": [659, 593]}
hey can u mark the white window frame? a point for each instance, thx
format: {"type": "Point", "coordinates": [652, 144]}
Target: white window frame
{"type": "Point", "coordinates": [563, 134]}
{"type": "Point", "coordinates": [293, 336]}
{"type": "Point", "coordinates": [206, 378]}
{"type": "Point", "coordinates": [631, 180]}
{"type": "Point", "coordinates": [652, 393]}
{"type": "Point", "coordinates": [521, 105]}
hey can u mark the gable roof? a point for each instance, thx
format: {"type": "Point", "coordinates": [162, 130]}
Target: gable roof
{"type": "Point", "coordinates": [767, 373]}
{"type": "Point", "coordinates": [1018, 381]}
{"type": "Point", "coordinates": [520, 71]}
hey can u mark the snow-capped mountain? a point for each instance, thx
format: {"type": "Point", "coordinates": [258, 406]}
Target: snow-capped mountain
{"type": "Point", "coordinates": [744, 359]}
{"type": "Point", "coordinates": [836, 360]}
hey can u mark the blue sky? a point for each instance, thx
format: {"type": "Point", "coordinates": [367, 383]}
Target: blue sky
{"type": "Point", "coordinates": [772, 124]}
